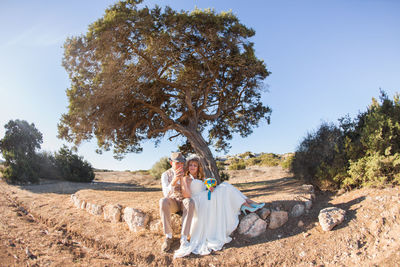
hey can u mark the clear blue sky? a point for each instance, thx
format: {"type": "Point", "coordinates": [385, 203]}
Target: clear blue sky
{"type": "Point", "coordinates": [327, 58]}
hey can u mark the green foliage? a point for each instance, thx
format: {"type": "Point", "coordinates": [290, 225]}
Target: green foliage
{"type": "Point", "coordinates": [253, 161]}
{"type": "Point", "coordinates": [72, 167]}
{"type": "Point", "coordinates": [269, 159]}
{"type": "Point", "coordinates": [46, 163]}
{"type": "Point", "coordinates": [360, 152]}
{"type": "Point", "coordinates": [18, 147]}
{"type": "Point", "coordinates": [286, 163]}
{"type": "Point", "coordinates": [159, 167]}
{"type": "Point", "coordinates": [374, 169]}
{"type": "Point", "coordinates": [237, 165]}
{"type": "Point", "coordinates": [224, 176]}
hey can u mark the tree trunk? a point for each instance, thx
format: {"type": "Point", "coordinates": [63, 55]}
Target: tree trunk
{"type": "Point", "coordinates": [201, 148]}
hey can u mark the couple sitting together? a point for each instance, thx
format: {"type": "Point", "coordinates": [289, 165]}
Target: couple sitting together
{"type": "Point", "coordinates": [208, 222]}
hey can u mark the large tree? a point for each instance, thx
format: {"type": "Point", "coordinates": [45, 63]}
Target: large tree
{"type": "Point", "coordinates": [141, 72]}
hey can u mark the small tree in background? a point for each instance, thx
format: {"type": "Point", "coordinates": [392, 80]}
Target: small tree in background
{"type": "Point", "coordinates": [159, 167]}
{"type": "Point", "coordinates": [18, 147]}
{"type": "Point", "coordinates": [72, 167]}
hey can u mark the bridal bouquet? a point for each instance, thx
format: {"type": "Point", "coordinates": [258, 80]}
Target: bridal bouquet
{"type": "Point", "coordinates": [210, 182]}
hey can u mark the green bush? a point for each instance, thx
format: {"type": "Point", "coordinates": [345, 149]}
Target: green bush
{"type": "Point", "coordinates": [237, 165]}
{"type": "Point", "coordinates": [374, 170]}
{"type": "Point", "coordinates": [159, 167]}
{"type": "Point", "coordinates": [18, 147]}
{"type": "Point", "coordinates": [72, 167]}
{"type": "Point", "coordinates": [360, 152]}
{"type": "Point", "coordinates": [269, 159]}
{"type": "Point", "coordinates": [286, 163]}
{"type": "Point", "coordinates": [47, 166]}
{"type": "Point", "coordinates": [253, 161]}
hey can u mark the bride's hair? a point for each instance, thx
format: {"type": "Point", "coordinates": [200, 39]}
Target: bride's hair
{"type": "Point", "coordinates": [200, 171]}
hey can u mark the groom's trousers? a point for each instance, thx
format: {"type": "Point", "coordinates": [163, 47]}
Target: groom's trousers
{"type": "Point", "coordinates": [171, 205]}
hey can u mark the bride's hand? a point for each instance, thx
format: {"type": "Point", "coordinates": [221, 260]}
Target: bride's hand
{"type": "Point", "coordinates": [212, 189]}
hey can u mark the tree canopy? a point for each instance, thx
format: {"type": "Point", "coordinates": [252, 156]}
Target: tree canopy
{"type": "Point", "coordinates": [141, 72]}
{"type": "Point", "coordinates": [18, 147]}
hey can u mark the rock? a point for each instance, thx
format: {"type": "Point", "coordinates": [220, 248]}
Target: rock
{"type": "Point", "coordinates": [308, 187]}
{"type": "Point", "coordinates": [29, 254]}
{"type": "Point", "coordinates": [176, 223]}
{"type": "Point", "coordinates": [306, 234]}
{"type": "Point", "coordinates": [251, 225]}
{"type": "Point", "coordinates": [308, 204]}
{"type": "Point", "coordinates": [259, 227]}
{"type": "Point", "coordinates": [95, 209]}
{"type": "Point", "coordinates": [156, 226]}
{"type": "Point", "coordinates": [76, 201]}
{"type": "Point", "coordinates": [136, 219]}
{"type": "Point", "coordinates": [300, 223]}
{"type": "Point", "coordinates": [277, 219]}
{"type": "Point", "coordinates": [246, 223]}
{"type": "Point", "coordinates": [297, 210]}
{"type": "Point", "coordinates": [83, 204]}
{"type": "Point", "coordinates": [264, 213]}
{"type": "Point", "coordinates": [112, 213]}
{"type": "Point", "coordinates": [330, 217]}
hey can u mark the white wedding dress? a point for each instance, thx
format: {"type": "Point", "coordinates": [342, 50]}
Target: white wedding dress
{"type": "Point", "coordinates": [213, 220]}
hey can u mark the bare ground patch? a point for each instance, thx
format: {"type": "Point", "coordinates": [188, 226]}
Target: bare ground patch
{"type": "Point", "coordinates": [42, 218]}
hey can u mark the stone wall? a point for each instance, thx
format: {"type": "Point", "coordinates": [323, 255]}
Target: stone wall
{"type": "Point", "coordinates": [251, 225]}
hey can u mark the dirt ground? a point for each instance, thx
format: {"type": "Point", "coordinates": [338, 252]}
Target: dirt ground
{"type": "Point", "coordinates": [39, 226]}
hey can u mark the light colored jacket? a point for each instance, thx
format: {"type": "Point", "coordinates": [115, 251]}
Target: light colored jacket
{"type": "Point", "coordinates": [169, 190]}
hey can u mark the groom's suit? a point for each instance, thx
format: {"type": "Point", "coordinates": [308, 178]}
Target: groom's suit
{"type": "Point", "coordinates": [173, 202]}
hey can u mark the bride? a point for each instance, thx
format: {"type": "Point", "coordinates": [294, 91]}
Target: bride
{"type": "Point", "coordinates": [215, 219]}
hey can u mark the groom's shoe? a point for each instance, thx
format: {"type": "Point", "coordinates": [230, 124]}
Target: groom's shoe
{"type": "Point", "coordinates": [166, 245]}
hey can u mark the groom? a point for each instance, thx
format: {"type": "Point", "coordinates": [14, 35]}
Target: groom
{"type": "Point", "coordinates": [173, 201]}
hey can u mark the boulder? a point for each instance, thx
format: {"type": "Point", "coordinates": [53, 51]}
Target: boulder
{"type": "Point", "coordinates": [277, 219]}
{"type": "Point", "coordinates": [112, 213]}
{"type": "Point", "coordinates": [76, 201]}
{"type": "Point", "coordinates": [330, 217]}
{"type": "Point", "coordinates": [251, 225]}
{"type": "Point", "coordinates": [95, 209]}
{"type": "Point", "coordinates": [264, 213]}
{"type": "Point", "coordinates": [246, 222]}
{"type": "Point", "coordinates": [136, 219]}
{"type": "Point", "coordinates": [176, 224]}
{"type": "Point", "coordinates": [297, 210]}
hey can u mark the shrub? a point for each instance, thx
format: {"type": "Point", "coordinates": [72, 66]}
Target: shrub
{"type": "Point", "coordinates": [269, 160]}
{"type": "Point", "coordinates": [159, 167]}
{"type": "Point", "coordinates": [72, 167]}
{"type": "Point", "coordinates": [222, 175]}
{"type": "Point", "coordinates": [237, 165]}
{"type": "Point", "coordinates": [253, 161]}
{"type": "Point", "coordinates": [317, 159]}
{"type": "Point", "coordinates": [47, 167]}
{"type": "Point", "coordinates": [286, 162]}
{"type": "Point", "coordinates": [360, 152]}
{"type": "Point", "coordinates": [374, 170]}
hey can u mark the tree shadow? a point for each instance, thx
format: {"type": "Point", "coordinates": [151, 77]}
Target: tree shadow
{"type": "Point", "coordinates": [65, 187]}
{"type": "Point", "coordinates": [290, 228]}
